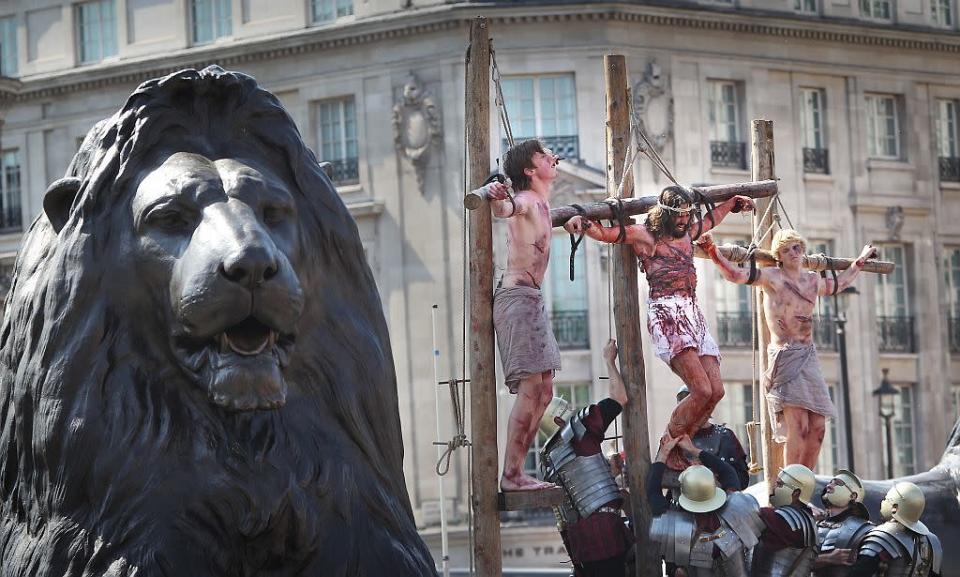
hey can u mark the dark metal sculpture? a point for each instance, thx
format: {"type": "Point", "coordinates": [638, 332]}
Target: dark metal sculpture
{"type": "Point", "coordinates": [195, 374]}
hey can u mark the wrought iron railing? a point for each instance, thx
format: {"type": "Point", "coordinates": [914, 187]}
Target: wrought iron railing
{"type": "Point", "coordinates": [895, 334]}
{"type": "Point", "coordinates": [954, 328]}
{"type": "Point", "coordinates": [345, 170]}
{"type": "Point", "coordinates": [728, 154]}
{"type": "Point", "coordinates": [566, 146]}
{"type": "Point", "coordinates": [571, 329]}
{"type": "Point", "coordinates": [825, 333]}
{"type": "Point", "coordinates": [10, 214]}
{"type": "Point", "coordinates": [816, 160]}
{"type": "Point", "coordinates": [735, 329]}
{"type": "Point", "coordinates": [950, 168]}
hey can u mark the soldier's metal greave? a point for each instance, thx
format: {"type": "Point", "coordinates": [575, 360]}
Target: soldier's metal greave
{"type": "Point", "coordinates": [587, 481]}
{"type": "Point", "coordinates": [679, 543]}
{"type": "Point", "coordinates": [912, 554]}
{"type": "Point", "coordinates": [840, 532]}
{"type": "Point", "coordinates": [790, 561]}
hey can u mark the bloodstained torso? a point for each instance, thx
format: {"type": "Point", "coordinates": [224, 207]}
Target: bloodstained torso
{"type": "Point", "coordinates": [788, 306]}
{"type": "Point", "coordinates": [528, 244]}
{"type": "Point", "coordinates": [669, 268]}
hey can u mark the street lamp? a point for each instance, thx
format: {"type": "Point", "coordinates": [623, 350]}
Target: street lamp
{"type": "Point", "coordinates": [840, 318]}
{"type": "Point", "coordinates": [887, 394]}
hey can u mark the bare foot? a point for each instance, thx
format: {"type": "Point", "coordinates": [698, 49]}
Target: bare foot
{"type": "Point", "coordinates": [523, 482]}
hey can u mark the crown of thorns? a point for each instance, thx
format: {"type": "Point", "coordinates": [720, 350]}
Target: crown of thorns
{"type": "Point", "coordinates": [675, 209]}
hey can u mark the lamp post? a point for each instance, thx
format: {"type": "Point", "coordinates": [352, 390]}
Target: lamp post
{"type": "Point", "coordinates": [840, 318]}
{"type": "Point", "coordinates": [887, 394]}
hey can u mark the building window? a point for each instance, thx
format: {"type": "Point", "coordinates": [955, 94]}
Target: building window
{"type": "Point", "coordinates": [579, 397]}
{"type": "Point", "coordinates": [337, 133]}
{"type": "Point", "coordinates": [947, 140]}
{"type": "Point", "coordinates": [883, 126]}
{"type": "Point", "coordinates": [876, 9]}
{"type": "Point", "coordinates": [812, 125]}
{"type": "Point", "coordinates": [824, 315]}
{"type": "Point", "coordinates": [727, 148]}
{"type": "Point", "coordinates": [8, 46]}
{"type": "Point", "coordinates": [543, 107]}
{"type": "Point", "coordinates": [942, 12]}
{"type": "Point", "coordinates": [734, 316]}
{"type": "Point", "coordinates": [327, 10]}
{"type": "Point", "coordinates": [805, 6]}
{"type": "Point", "coordinates": [568, 309]}
{"type": "Point", "coordinates": [894, 322]}
{"type": "Point", "coordinates": [10, 211]}
{"type": "Point", "coordinates": [96, 31]}
{"type": "Point", "coordinates": [951, 267]}
{"type": "Point", "coordinates": [955, 395]}
{"type": "Point", "coordinates": [211, 19]}
{"type": "Point", "coordinates": [902, 429]}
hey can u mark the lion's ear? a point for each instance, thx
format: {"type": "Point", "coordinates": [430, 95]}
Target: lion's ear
{"type": "Point", "coordinates": [58, 199]}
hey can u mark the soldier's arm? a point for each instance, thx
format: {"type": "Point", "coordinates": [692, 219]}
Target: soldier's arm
{"type": "Point", "coordinates": [866, 566]}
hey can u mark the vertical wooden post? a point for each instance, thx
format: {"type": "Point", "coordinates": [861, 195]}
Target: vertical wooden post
{"type": "Point", "coordinates": [483, 380]}
{"type": "Point", "coordinates": [762, 166]}
{"type": "Point", "coordinates": [626, 310]}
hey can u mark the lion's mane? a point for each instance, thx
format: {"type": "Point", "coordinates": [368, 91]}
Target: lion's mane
{"type": "Point", "coordinates": [112, 463]}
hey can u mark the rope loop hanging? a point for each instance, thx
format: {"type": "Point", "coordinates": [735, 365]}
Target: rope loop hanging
{"type": "Point", "coordinates": [457, 400]}
{"type": "Point", "coordinates": [575, 240]}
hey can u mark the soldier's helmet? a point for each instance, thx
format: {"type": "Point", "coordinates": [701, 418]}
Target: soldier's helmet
{"type": "Point", "coordinates": [699, 492]}
{"type": "Point", "coordinates": [797, 476]}
{"type": "Point", "coordinates": [910, 503]}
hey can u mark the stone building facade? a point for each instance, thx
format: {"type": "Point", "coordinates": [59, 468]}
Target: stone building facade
{"type": "Point", "coordinates": [864, 95]}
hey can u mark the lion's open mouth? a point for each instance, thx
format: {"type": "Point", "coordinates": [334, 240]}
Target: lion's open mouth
{"type": "Point", "coordinates": [241, 367]}
{"type": "Point", "coordinates": [249, 337]}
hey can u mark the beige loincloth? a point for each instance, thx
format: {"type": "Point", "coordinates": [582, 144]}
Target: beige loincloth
{"type": "Point", "coordinates": [794, 377]}
{"type": "Point", "coordinates": [524, 335]}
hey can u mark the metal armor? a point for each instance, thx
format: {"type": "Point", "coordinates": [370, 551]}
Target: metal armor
{"type": "Point", "coordinates": [790, 561]}
{"type": "Point", "coordinates": [845, 531]}
{"type": "Point", "coordinates": [587, 481]}
{"type": "Point", "coordinates": [912, 554]}
{"type": "Point", "coordinates": [679, 542]}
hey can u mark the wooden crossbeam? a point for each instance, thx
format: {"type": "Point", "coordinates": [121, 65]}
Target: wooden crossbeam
{"type": "Point", "coordinates": [815, 262]}
{"type": "Point", "coordinates": [631, 206]}
{"type": "Point", "coordinates": [520, 500]}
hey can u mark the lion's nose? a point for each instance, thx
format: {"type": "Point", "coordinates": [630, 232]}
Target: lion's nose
{"type": "Point", "coordinates": [251, 266]}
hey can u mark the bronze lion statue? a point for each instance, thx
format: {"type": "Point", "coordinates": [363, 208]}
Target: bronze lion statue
{"type": "Point", "coordinates": [195, 375]}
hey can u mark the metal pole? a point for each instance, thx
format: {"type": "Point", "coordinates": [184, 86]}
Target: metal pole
{"type": "Point", "coordinates": [841, 320]}
{"type": "Point", "coordinates": [886, 423]}
{"type": "Point", "coordinates": [444, 550]}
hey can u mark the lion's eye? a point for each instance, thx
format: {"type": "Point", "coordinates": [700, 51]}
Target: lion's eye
{"type": "Point", "coordinates": [170, 219]}
{"type": "Point", "coordinates": [274, 215]}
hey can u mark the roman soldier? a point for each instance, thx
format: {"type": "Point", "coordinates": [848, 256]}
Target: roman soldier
{"type": "Point", "coordinates": [846, 523]}
{"type": "Point", "coordinates": [903, 546]}
{"type": "Point", "coordinates": [788, 544]}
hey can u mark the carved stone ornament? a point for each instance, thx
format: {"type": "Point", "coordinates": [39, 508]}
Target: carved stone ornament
{"type": "Point", "coordinates": [416, 126]}
{"type": "Point", "coordinates": [895, 220]}
{"type": "Point", "coordinates": [653, 105]}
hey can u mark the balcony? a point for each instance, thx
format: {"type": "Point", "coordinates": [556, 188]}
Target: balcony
{"type": "Point", "coordinates": [728, 154]}
{"type": "Point", "coordinates": [895, 334]}
{"type": "Point", "coordinates": [825, 333]}
{"type": "Point", "coordinates": [954, 328]}
{"type": "Point", "coordinates": [566, 146]}
{"type": "Point", "coordinates": [816, 160]}
{"type": "Point", "coordinates": [950, 168]}
{"type": "Point", "coordinates": [345, 170]}
{"type": "Point", "coordinates": [735, 329]}
{"type": "Point", "coordinates": [571, 329]}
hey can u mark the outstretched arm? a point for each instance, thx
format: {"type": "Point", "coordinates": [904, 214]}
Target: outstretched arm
{"type": "Point", "coordinates": [501, 203]}
{"type": "Point", "coordinates": [636, 233]}
{"type": "Point", "coordinates": [617, 390]}
{"type": "Point", "coordinates": [846, 278]}
{"type": "Point", "coordinates": [727, 269]}
{"type": "Point", "coordinates": [738, 203]}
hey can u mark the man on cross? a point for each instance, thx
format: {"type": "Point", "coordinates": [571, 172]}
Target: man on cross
{"type": "Point", "coordinates": [678, 330]}
{"type": "Point", "coordinates": [528, 350]}
{"type": "Point", "coordinates": [797, 396]}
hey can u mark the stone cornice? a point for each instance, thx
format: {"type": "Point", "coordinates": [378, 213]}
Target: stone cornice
{"type": "Point", "coordinates": [411, 23]}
